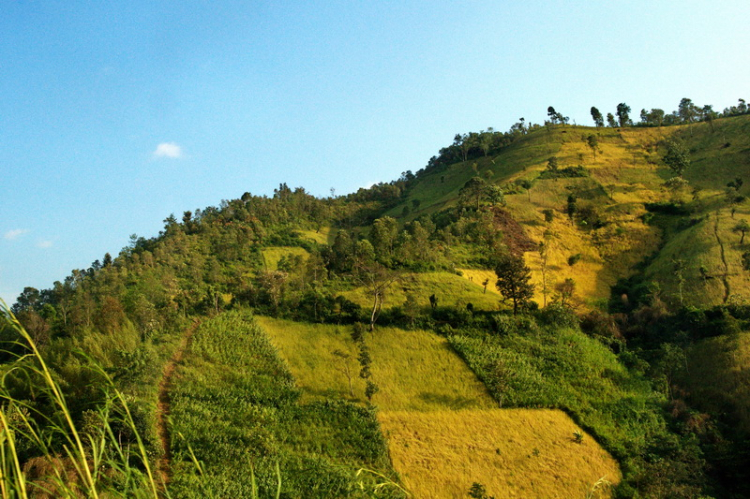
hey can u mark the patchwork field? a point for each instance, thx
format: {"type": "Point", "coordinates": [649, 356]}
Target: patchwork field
{"type": "Point", "coordinates": [415, 370]}
{"type": "Point", "coordinates": [523, 453]}
{"type": "Point", "coordinates": [444, 430]}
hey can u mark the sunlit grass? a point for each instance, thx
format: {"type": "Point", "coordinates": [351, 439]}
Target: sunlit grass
{"type": "Point", "coordinates": [415, 370]}
{"type": "Point", "coordinates": [322, 236]}
{"type": "Point", "coordinates": [450, 290]}
{"type": "Point", "coordinates": [236, 408]}
{"type": "Point", "coordinates": [272, 255]}
{"type": "Point", "coordinates": [523, 453]}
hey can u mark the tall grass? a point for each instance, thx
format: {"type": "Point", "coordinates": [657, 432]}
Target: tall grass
{"type": "Point", "coordinates": [46, 452]}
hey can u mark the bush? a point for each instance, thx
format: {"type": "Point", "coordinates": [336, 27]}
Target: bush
{"type": "Point", "coordinates": [573, 259]}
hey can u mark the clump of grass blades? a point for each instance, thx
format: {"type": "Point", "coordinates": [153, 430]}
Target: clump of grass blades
{"type": "Point", "coordinates": [68, 458]}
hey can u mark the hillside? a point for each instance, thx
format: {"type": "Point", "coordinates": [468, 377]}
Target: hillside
{"type": "Point", "coordinates": [348, 346]}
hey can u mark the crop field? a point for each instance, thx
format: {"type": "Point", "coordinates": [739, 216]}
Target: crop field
{"type": "Point", "coordinates": [415, 370]}
{"type": "Point", "coordinates": [443, 429]}
{"type": "Point", "coordinates": [522, 453]}
{"type": "Point", "coordinates": [235, 407]}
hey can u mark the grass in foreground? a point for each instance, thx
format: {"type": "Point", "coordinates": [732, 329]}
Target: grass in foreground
{"type": "Point", "coordinates": [46, 452]}
{"type": "Point", "coordinates": [523, 453]}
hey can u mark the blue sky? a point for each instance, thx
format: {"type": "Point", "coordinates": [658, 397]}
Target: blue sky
{"type": "Point", "coordinates": [115, 114]}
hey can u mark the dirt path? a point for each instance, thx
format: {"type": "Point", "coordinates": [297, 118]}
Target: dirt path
{"type": "Point", "coordinates": [163, 465]}
{"type": "Point", "coordinates": [723, 259]}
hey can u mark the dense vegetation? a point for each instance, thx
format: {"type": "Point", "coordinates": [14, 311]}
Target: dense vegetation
{"type": "Point", "coordinates": [617, 251]}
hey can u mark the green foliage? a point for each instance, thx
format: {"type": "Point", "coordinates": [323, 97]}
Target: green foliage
{"type": "Point", "coordinates": [513, 278]}
{"type": "Point", "coordinates": [562, 368]}
{"type": "Point", "coordinates": [677, 157]}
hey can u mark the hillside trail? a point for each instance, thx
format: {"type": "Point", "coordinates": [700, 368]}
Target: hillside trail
{"type": "Point", "coordinates": [163, 464]}
{"type": "Point", "coordinates": [723, 259]}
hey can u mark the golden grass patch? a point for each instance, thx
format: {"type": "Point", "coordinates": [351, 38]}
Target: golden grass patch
{"type": "Point", "coordinates": [272, 255]}
{"type": "Point", "coordinates": [415, 370]}
{"type": "Point", "coordinates": [514, 453]}
{"type": "Point", "coordinates": [323, 235]}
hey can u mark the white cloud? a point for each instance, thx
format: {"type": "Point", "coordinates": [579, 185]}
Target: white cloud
{"type": "Point", "coordinates": [14, 234]}
{"type": "Point", "coordinates": [44, 244]}
{"type": "Point", "coordinates": [168, 150]}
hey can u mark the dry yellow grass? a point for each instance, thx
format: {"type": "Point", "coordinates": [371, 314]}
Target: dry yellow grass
{"type": "Point", "coordinates": [622, 177]}
{"type": "Point", "coordinates": [514, 453]}
{"type": "Point", "coordinates": [415, 370]}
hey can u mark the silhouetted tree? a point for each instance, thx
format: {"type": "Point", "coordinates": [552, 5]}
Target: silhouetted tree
{"type": "Point", "coordinates": [597, 117]}
{"type": "Point", "coordinates": [623, 114]}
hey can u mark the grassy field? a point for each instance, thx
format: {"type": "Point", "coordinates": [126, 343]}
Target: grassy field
{"type": "Point", "coordinates": [415, 370]}
{"type": "Point", "coordinates": [523, 453]}
{"type": "Point", "coordinates": [272, 255]}
{"type": "Point", "coordinates": [322, 236]}
{"type": "Point", "coordinates": [554, 367]}
{"type": "Point", "coordinates": [718, 376]}
{"type": "Point", "coordinates": [450, 290]}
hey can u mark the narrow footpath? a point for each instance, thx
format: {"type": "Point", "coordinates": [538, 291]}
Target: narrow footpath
{"type": "Point", "coordinates": [163, 465]}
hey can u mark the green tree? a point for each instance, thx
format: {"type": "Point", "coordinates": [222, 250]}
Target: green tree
{"type": "Point", "coordinates": [566, 290]}
{"type": "Point", "coordinates": [494, 194]}
{"type": "Point", "coordinates": [342, 252]}
{"type": "Point", "coordinates": [686, 110]}
{"type": "Point", "coordinates": [513, 278]}
{"type": "Point", "coordinates": [596, 115]}
{"type": "Point", "coordinates": [572, 206]}
{"type": "Point", "coordinates": [342, 364]}
{"type": "Point", "coordinates": [593, 142]}
{"type": "Point", "coordinates": [473, 191]}
{"type": "Point", "coordinates": [552, 164]}
{"type": "Point", "coordinates": [611, 120]}
{"type": "Point", "coordinates": [383, 236]}
{"type": "Point", "coordinates": [623, 114]}
{"type": "Point", "coordinates": [677, 157]}
{"type": "Point", "coordinates": [553, 115]}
